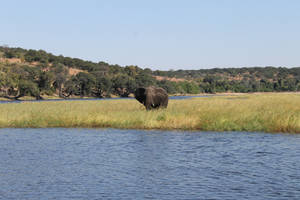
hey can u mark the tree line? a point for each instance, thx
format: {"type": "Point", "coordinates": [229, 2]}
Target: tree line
{"type": "Point", "coordinates": [38, 73]}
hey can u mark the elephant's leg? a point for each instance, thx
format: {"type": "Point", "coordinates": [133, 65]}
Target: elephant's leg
{"type": "Point", "coordinates": [164, 103]}
{"type": "Point", "coordinates": [148, 106]}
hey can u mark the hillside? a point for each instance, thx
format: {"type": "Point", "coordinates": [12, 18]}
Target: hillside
{"type": "Point", "coordinates": [38, 73]}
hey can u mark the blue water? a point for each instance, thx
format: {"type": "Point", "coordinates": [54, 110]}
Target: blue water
{"type": "Point", "coordinates": [132, 164]}
{"type": "Point", "coordinates": [100, 99]}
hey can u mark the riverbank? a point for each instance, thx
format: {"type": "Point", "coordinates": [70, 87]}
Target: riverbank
{"type": "Point", "coordinates": [267, 112]}
{"type": "Point", "coordinates": [55, 97]}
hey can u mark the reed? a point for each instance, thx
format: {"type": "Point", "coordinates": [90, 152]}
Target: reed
{"type": "Point", "coordinates": [268, 112]}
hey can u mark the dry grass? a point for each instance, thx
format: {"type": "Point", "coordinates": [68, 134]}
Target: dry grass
{"type": "Point", "coordinates": [253, 112]}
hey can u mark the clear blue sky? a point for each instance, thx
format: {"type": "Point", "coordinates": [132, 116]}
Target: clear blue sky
{"type": "Point", "coordinates": [158, 34]}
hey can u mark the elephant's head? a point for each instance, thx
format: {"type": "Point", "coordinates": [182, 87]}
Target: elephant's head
{"type": "Point", "coordinates": [140, 95]}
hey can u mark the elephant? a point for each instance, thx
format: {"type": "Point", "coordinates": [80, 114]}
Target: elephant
{"type": "Point", "coordinates": [152, 97]}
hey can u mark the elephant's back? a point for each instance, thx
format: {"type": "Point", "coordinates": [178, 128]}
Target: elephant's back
{"type": "Point", "coordinates": [161, 91]}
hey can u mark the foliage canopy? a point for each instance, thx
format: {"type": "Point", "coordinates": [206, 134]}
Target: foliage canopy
{"type": "Point", "coordinates": [36, 73]}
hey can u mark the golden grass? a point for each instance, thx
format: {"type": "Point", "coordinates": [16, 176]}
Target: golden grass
{"type": "Point", "coordinates": [272, 112]}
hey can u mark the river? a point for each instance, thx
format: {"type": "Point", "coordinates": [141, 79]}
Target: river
{"type": "Point", "coordinates": [95, 164]}
{"type": "Point", "coordinates": [101, 99]}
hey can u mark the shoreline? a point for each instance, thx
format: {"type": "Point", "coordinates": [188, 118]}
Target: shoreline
{"type": "Point", "coordinates": [46, 98]}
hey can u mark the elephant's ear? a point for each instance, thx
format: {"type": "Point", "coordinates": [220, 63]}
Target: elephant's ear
{"type": "Point", "coordinates": [140, 95]}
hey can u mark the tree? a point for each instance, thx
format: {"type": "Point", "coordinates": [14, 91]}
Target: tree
{"type": "Point", "coordinates": [103, 87]}
{"type": "Point", "coordinates": [144, 80]}
{"type": "Point", "coordinates": [169, 86]}
{"type": "Point", "coordinates": [61, 75]}
{"type": "Point", "coordinates": [45, 81]}
{"type": "Point", "coordinates": [85, 83]}
{"type": "Point", "coordinates": [123, 85]}
{"type": "Point", "coordinates": [189, 87]}
{"type": "Point", "coordinates": [29, 88]}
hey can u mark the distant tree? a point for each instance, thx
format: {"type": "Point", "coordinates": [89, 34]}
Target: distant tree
{"type": "Point", "coordinates": [131, 70]}
{"type": "Point", "coordinates": [123, 85]}
{"type": "Point", "coordinates": [45, 81]}
{"type": "Point", "coordinates": [169, 86]}
{"type": "Point", "coordinates": [189, 87]}
{"type": "Point", "coordinates": [85, 82]}
{"type": "Point", "coordinates": [103, 87]}
{"type": "Point", "coordinates": [70, 88]}
{"type": "Point", "coordinates": [144, 80]}
{"type": "Point", "coordinates": [61, 75]}
{"type": "Point", "coordinates": [31, 56]}
{"type": "Point", "coordinates": [9, 54]}
{"type": "Point", "coordinates": [29, 88]}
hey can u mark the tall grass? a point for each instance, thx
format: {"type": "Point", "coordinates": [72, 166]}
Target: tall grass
{"type": "Point", "coordinates": [274, 112]}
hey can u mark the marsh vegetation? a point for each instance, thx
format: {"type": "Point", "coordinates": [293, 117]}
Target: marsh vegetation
{"type": "Point", "coordinates": [267, 112]}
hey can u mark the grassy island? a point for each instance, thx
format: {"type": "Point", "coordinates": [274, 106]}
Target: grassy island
{"type": "Point", "coordinates": [266, 112]}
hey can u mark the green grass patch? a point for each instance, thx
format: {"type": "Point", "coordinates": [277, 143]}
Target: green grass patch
{"type": "Point", "coordinates": [270, 112]}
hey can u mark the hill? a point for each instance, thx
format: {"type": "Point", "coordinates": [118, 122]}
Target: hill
{"type": "Point", "coordinates": [38, 73]}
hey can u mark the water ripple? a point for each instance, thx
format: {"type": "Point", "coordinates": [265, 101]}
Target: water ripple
{"type": "Point", "coordinates": [133, 164]}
